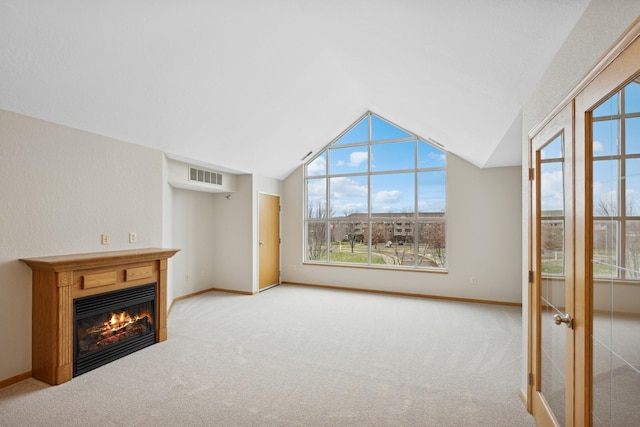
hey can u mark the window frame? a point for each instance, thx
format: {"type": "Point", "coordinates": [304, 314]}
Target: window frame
{"type": "Point", "coordinates": [620, 217]}
{"type": "Point", "coordinates": [318, 218]}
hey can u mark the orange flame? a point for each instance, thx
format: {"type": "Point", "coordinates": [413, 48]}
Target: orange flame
{"type": "Point", "coordinates": [121, 320]}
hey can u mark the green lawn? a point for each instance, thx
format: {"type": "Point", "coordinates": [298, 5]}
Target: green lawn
{"type": "Point", "coordinates": [599, 269]}
{"type": "Point", "coordinates": [356, 257]}
{"type": "Point", "coordinates": [552, 267]}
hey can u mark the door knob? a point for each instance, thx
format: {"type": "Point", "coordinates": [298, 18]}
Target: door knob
{"type": "Point", "coordinates": [261, 242]}
{"type": "Point", "coordinates": [564, 318]}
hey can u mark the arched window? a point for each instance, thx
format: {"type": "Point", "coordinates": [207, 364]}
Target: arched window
{"type": "Point", "coordinates": [376, 196]}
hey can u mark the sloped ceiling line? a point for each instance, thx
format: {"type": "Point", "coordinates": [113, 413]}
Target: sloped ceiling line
{"type": "Point", "coordinates": [251, 86]}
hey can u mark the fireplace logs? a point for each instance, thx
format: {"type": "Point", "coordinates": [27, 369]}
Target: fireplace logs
{"type": "Point", "coordinates": [95, 335]}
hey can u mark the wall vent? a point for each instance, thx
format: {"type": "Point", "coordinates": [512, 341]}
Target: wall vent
{"type": "Point", "coordinates": [205, 176]}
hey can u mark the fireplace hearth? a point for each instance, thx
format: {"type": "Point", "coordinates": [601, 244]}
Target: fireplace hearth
{"type": "Point", "coordinates": [91, 309]}
{"type": "Point", "coordinates": [112, 325]}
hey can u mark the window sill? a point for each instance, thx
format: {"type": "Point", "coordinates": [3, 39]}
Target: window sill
{"type": "Point", "coordinates": [378, 268]}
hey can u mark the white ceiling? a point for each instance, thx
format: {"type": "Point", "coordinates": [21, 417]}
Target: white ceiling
{"type": "Point", "coordinates": [254, 85]}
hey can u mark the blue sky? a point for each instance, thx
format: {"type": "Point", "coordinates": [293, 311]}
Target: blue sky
{"type": "Point", "coordinates": [606, 142]}
{"type": "Point", "coordinates": [551, 182]}
{"type": "Point", "coordinates": [605, 175]}
{"type": "Point", "coordinates": [392, 192]}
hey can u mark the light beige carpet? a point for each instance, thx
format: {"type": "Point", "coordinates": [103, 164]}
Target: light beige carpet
{"type": "Point", "coordinates": [299, 356]}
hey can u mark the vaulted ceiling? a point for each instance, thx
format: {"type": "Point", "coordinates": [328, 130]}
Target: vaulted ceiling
{"type": "Point", "coordinates": [253, 85]}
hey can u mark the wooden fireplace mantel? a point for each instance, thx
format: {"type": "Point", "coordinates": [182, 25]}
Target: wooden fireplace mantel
{"type": "Point", "coordinates": [58, 280]}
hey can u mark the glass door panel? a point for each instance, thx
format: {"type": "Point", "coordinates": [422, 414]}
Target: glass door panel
{"type": "Point", "coordinates": [552, 280]}
{"type": "Point", "coordinates": [615, 259]}
{"type": "Point", "coordinates": [551, 367]}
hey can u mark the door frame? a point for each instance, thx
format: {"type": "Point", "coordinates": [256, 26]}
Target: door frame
{"type": "Point", "coordinates": [279, 237]}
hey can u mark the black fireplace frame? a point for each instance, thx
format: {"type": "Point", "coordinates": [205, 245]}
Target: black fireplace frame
{"type": "Point", "coordinates": [115, 300]}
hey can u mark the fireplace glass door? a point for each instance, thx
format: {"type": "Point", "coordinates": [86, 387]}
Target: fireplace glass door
{"type": "Point", "coordinates": [111, 325]}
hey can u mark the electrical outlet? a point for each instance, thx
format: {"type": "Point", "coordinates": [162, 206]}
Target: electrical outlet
{"type": "Point", "coordinates": [133, 237]}
{"type": "Point", "coordinates": [105, 239]}
{"type": "Point", "coordinates": [473, 280]}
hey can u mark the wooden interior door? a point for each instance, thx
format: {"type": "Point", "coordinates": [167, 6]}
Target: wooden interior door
{"type": "Point", "coordinates": [269, 240]}
{"type": "Point", "coordinates": [552, 312]}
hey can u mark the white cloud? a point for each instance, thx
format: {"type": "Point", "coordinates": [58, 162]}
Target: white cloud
{"type": "Point", "coordinates": [316, 188]}
{"type": "Point", "coordinates": [436, 205]}
{"type": "Point", "coordinates": [346, 187]}
{"type": "Point", "coordinates": [340, 209]}
{"type": "Point", "coordinates": [552, 190]}
{"type": "Point", "coordinates": [438, 157]}
{"type": "Point", "coordinates": [596, 189]}
{"type": "Point", "coordinates": [357, 158]}
{"type": "Point", "coordinates": [386, 201]}
{"type": "Point", "coordinates": [387, 196]}
{"type": "Point", "coordinates": [597, 147]}
{"type": "Point", "coordinates": [317, 167]}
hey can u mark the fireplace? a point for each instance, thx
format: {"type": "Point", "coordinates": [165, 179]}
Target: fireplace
{"type": "Point", "coordinates": [112, 325]}
{"type": "Point", "coordinates": [90, 309]}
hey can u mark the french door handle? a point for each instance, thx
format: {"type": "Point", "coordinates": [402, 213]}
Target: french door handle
{"type": "Point", "coordinates": [564, 318]}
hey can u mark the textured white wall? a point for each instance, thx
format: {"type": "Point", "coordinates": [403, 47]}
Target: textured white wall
{"type": "Point", "coordinates": [483, 219]}
{"type": "Point", "coordinates": [61, 188]}
{"type": "Point", "coordinates": [193, 232]}
{"type": "Point", "coordinates": [233, 221]}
